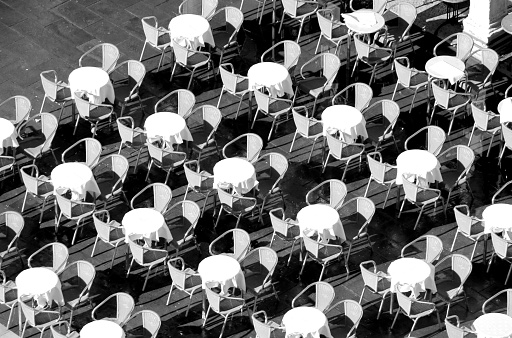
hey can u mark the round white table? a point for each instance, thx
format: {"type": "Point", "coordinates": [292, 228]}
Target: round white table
{"type": "Point", "coordinates": [364, 21]}
{"type": "Point", "coordinates": [170, 126]}
{"type": "Point", "coordinates": [323, 219]}
{"type": "Point", "coordinates": [95, 81]}
{"type": "Point", "coordinates": [102, 329]}
{"type": "Point", "coordinates": [497, 216]}
{"type": "Point", "coordinates": [77, 177]}
{"type": "Point", "coordinates": [40, 283]}
{"type": "Point", "coordinates": [147, 224]}
{"type": "Point", "coordinates": [416, 273]}
{"type": "Point", "coordinates": [418, 162]}
{"type": "Point", "coordinates": [221, 269]}
{"type": "Point", "coordinates": [306, 322]}
{"type": "Point", "coordinates": [493, 325]}
{"type": "Point", "coordinates": [238, 172]}
{"type": "Point", "coordinates": [505, 110]}
{"type": "Point", "coordinates": [191, 30]}
{"type": "Point", "coordinates": [346, 119]}
{"type": "Point", "coordinates": [8, 135]}
{"type": "Point", "coordinates": [445, 67]}
{"type": "Point", "coordinates": [273, 76]}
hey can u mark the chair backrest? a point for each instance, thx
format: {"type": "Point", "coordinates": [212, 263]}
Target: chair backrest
{"type": "Point", "coordinates": [362, 95]}
{"type": "Point", "coordinates": [136, 71]}
{"type": "Point", "coordinates": [234, 17]}
{"type": "Point", "coordinates": [370, 278]}
{"type": "Point", "coordinates": [290, 7]}
{"type": "Point", "coordinates": [303, 123]}
{"type": "Point", "coordinates": [325, 21]}
{"type": "Point", "coordinates": [126, 125]}
{"type": "Point", "coordinates": [366, 209]}
{"type": "Point", "coordinates": [324, 295]}
{"type": "Point", "coordinates": [49, 82]}
{"type": "Point", "coordinates": [500, 245]}
{"type": "Point", "coordinates": [441, 95]}
{"type": "Point", "coordinates": [462, 266]}
{"type": "Point", "coordinates": [93, 150]}
{"type": "Point", "coordinates": [330, 66]}
{"type": "Point", "coordinates": [109, 55]}
{"type": "Point", "coordinates": [377, 168]}
{"type": "Point", "coordinates": [209, 118]}
{"type": "Point", "coordinates": [31, 182]}
{"type": "Point", "coordinates": [194, 177]}
{"type": "Point", "coordinates": [49, 124]}
{"type": "Point", "coordinates": [22, 107]}
{"type": "Point", "coordinates": [379, 6]}
{"type": "Point", "coordinates": [61, 329]}
{"type": "Point", "coordinates": [60, 256]}
{"type": "Point", "coordinates": [205, 8]}
{"type": "Point", "coordinates": [83, 106]}
{"type": "Point", "coordinates": [335, 145]}
{"type": "Point", "coordinates": [101, 219]}
{"type": "Point", "coordinates": [125, 306]}
{"type": "Point", "coordinates": [403, 71]}
{"type": "Point", "coordinates": [181, 53]}
{"type": "Point", "coordinates": [254, 146]}
{"type": "Point", "coordinates": [183, 99]}
{"type": "Point", "coordinates": [411, 187]}
{"type": "Point", "coordinates": [453, 330]}
{"type": "Point", "coordinates": [464, 45]}
{"type": "Point", "coordinates": [463, 219]}
{"type": "Point", "coordinates": [292, 53]}
{"type": "Point", "coordinates": [178, 276]}
{"type": "Point", "coordinates": [335, 194]}
{"type": "Point", "coordinates": [14, 222]}
{"type": "Point", "coordinates": [346, 312]}
{"type": "Point", "coordinates": [435, 139]}
{"type": "Point", "coordinates": [362, 48]}
{"type": "Point", "coordinates": [229, 79]}
{"type": "Point", "coordinates": [406, 12]}
{"type": "Point", "coordinates": [433, 247]}
{"type": "Point", "coordinates": [390, 112]}
{"type": "Point", "coordinates": [262, 100]}
{"type": "Point", "coordinates": [150, 321]}
{"type": "Point", "coordinates": [241, 241]}
{"type": "Point", "coordinates": [213, 298]}
{"type": "Point", "coordinates": [150, 28]}
{"type": "Point", "coordinates": [28, 312]}
{"type": "Point", "coordinates": [489, 59]}
{"type": "Point", "coordinates": [480, 116]}
{"type": "Point", "coordinates": [84, 272]}
{"type": "Point", "coordinates": [189, 213]}
{"type": "Point", "coordinates": [279, 224]}
{"type": "Point", "coordinates": [277, 165]}
{"type": "Point", "coordinates": [262, 329]}
{"type": "Point", "coordinates": [162, 195]}
{"type": "Point", "coordinates": [404, 301]}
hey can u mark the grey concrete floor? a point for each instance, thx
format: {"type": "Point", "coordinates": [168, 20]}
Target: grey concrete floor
{"type": "Point", "coordinates": [53, 34]}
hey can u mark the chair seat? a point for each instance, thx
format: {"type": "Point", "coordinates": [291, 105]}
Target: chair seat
{"type": "Point", "coordinates": [265, 185]}
{"type": "Point", "coordinates": [447, 289]}
{"type": "Point", "coordinates": [170, 161]}
{"type": "Point", "coordinates": [419, 79]}
{"type": "Point", "coordinates": [196, 60]}
{"type": "Point", "coordinates": [192, 282]}
{"type": "Point", "coordinates": [457, 100]}
{"type": "Point", "coordinates": [229, 305]}
{"type": "Point", "coordinates": [477, 73]}
{"type": "Point", "coordinates": [327, 254]}
{"type": "Point", "coordinates": [315, 130]}
{"type": "Point", "coordinates": [152, 257]}
{"type": "Point", "coordinates": [123, 93]}
{"type": "Point", "coordinates": [11, 296]}
{"type": "Point", "coordinates": [277, 108]}
{"type": "Point", "coordinates": [421, 308]}
{"type": "Point", "coordinates": [494, 125]}
{"type": "Point", "coordinates": [340, 32]}
{"type": "Point", "coordinates": [313, 85]}
{"type": "Point", "coordinates": [44, 318]}
{"type": "Point", "coordinates": [6, 163]}
{"type": "Point", "coordinates": [79, 210]}
{"type": "Point", "coordinates": [254, 282]}
{"type": "Point", "coordinates": [200, 139]}
{"type": "Point", "coordinates": [63, 95]}
{"type": "Point", "coordinates": [375, 132]}
{"type": "Point", "coordinates": [221, 39]}
{"type": "Point", "coordinates": [32, 145]}
{"type": "Point", "coordinates": [293, 234]}
{"type": "Point", "coordinates": [116, 235]}
{"type": "Point", "coordinates": [240, 207]}
{"type": "Point", "coordinates": [390, 175]}
{"type": "Point", "coordinates": [97, 114]}
{"type": "Point", "coordinates": [71, 294]}
{"type": "Point", "coordinates": [242, 86]}
{"type": "Point", "coordinates": [178, 234]}
{"type": "Point", "coordinates": [105, 186]}
{"type": "Point", "coordinates": [426, 196]}
{"type": "Point", "coordinates": [450, 178]}
{"type": "Point", "coordinates": [377, 56]}
{"type": "Point", "coordinates": [476, 230]}
{"type": "Point", "coordinates": [44, 189]}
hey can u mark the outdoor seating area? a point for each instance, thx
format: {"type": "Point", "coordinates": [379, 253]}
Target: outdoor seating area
{"type": "Point", "coordinates": [252, 168]}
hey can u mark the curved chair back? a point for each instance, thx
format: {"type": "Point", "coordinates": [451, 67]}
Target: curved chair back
{"type": "Point", "coordinates": [126, 126]}
{"type": "Point", "coordinates": [290, 7]}
{"type": "Point", "coordinates": [30, 181]}
{"type": "Point", "coordinates": [102, 227]}
{"type": "Point", "coordinates": [370, 278]}
{"type": "Point", "coordinates": [279, 224]}
{"type": "Point", "coordinates": [403, 71]}
{"type": "Point", "coordinates": [480, 116]}
{"type": "Point", "coordinates": [377, 168]}
{"type": "Point", "coordinates": [150, 321]}
{"type": "Point", "coordinates": [183, 99]}
{"type": "Point", "coordinates": [334, 191]}
{"type": "Point", "coordinates": [205, 8]}
{"type": "Point", "coordinates": [464, 45]}
{"type": "Point", "coordinates": [362, 94]}
{"type": "Point", "coordinates": [229, 79]}
{"type": "Point", "coordinates": [49, 82]}
{"type": "Point", "coordinates": [346, 313]}
{"type": "Point", "coordinates": [254, 146]}
{"type": "Point", "coordinates": [406, 12]}
{"type": "Point", "coordinates": [454, 331]}
{"type": "Point", "coordinates": [463, 219]}
{"type": "Point", "coordinates": [325, 21]}
{"type": "Point", "coordinates": [49, 124]}
{"type": "Point", "coordinates": [109, 56]}
{"type": "Point", "coordinates": [303, 123]}
{"type": "Point", "coordinates": [22, 108]}
{"type": "Point", "coordinates": [262, 329]}
{"type": "Point", "coordinates": [150, 28]}
{"type": "Point", "coordinates": [500, 245]}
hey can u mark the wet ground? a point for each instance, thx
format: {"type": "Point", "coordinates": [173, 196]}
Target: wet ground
{"type": "Point", "coordinates": [52, 34]}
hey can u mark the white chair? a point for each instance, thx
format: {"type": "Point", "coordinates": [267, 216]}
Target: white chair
{"type": "Point", "coordinates": [335, 32]}
{"type": "Point", "coordinates": [92, 151]}
{"type": "Point", "coordinates": [183, 279]}
{"type": "Point", "coordinates": [234, 84]}
{"type": "Point", "coordinates": [59, 257]}
{"type": "Point", "coordinates": [356, 94]}
{"type": "Point", "coordinates": [108, 58]}
{"type": "Point", "coordinates": [109, 231]}
{"type": "Point", "coordinates": [182, 102]}
{"type": "Point", "coordinates": [501, 248]}
{"type": "Point", "coordinates": [409, 78]}
{"type": "Point", "coordinates": [307, 127]}
{"type": "Point", "coordinates": [299, 11]}
{"type": "Point", "coordinates": [204, 8]}
{"type": "Point", "coordinates": [469, 226]}
{"type": "Point", "coordinates": [124, 307]}
{"type": "Point", "coordinates": [382, 173]}
{"type": "Point", "coordinates": [435, 139]}
{"type": "Point", "coordinates": [155, 36]}
{"type": "Point", "coordinates": [485, 121]}
{"type": "Point", "coordinates": [146, 257]}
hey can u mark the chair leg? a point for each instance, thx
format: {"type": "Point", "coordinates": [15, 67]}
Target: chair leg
{"type": "Point", "coordinates": [170, 292]}
{"type": "Point", "coordinates": [387, 195]}
{"type": "Point", "coordinates": [172, 73]}
{"type": "Point", "coordinates": [223, 326]}
{"type": "Point", "coordinates": [149, 169]}
{"type": "Point", "coordinates": [218, 217]}
{"type": "Point", "coordinates": [471, 137]}
{"type": "Point", "coordinates": [401, 208]}
{"type": "Point", "coordinates": [413, 99]}
{"type": "Point", "coordinates": [419, 216]}
{"type": "Point", "coordinates": [143, 49]}
{"type": "Point", "coordinates": [453, 243]}
{"type": "Point", "coordinates": [280, 25]}
{"type": "Point", "coordinates": [191, 77]}
{"type": "Point", "coordinates": [113, 258]}
{"type": "Point", "coordinates": [318, 44]}
{"type": "Point", "coordinates": [146, 279]}
{"type": "Point", "coordinates": [255, 117]}
{"type": "Point", "coordinates": [293, 142]}
{"type": "Point", "coordinates": [325, 163]}
{"type": "Point", "coordinates": [321, 273]}
{"type": "Point", "coordinates": [394, 320]}
{"type": "Point", "coordinates": [303, 265]}
{"type": "Point", "coordinates": [300, 29]}
{"type": "Point", "coordinates": [474, 249]}
{"type": "Point", "coordinates": [23, 205]}
{"type": "Point", "coordinates": [380, 308]}
{"type": "Point", "coordinates": [508, 274]}
{"type": "Point", "coordinates": [161, 59]}
{"type": "Point", "coordinates": [394, 91]}
{"type": "Point", "coordinates": [94, 246]}
{"type": "Point", "coordinates": [311, 151]}
{"type": "Point", "coordinates": [490, 145]}
{"type": "Point", "coordinates": [413, 326]}
{"type": "Point", "coordinates": [490, 262]}
{"type": "Point", "coordinates": [42, 104]}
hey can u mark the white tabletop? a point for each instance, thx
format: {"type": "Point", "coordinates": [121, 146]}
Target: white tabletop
{"type": "Point", "coordinates": [497, 216]}
{"type": "Point", "coordinates": [273, 76]}
{"type": "Point", "coordinates": [221, 269]}
{"type": "Point", "coordinates": [170, 126]}
{"type": "Point", "coordinates": [416, 273]}
{"type": "Point", "coordinates": [346, 119]}
{"type": "Point", "coordinates": [505, 110]}
{"type": "Point", "coordinates": [364, 21]}
{"type": "Point", "coordinates": [236, 171]}
{"type": "Point", "coordinates": [445, 67]}
{"type": "Point", "coordinates": [95, 81]}
{"type": "Point", "coordinates": [321, 218]}
{"type": "Point", "coordinates": [418, 162]}
{"type": "Point", "coordinates": [41, 283]}
{"type": "Point", "coordinates": [102, 329]}
{"type": "Point", "coordinates": [306, 321]}
{"type": "Point", "coordinates": [493, 325]}
{"type": "Point", "coordinates": [147, 224]}
{"type": "Point", "coordinates": [191, 30]}
{"type": "Point", "coordinates": [8, 135]}
{"type": "Point", "coordinates": [77, 177]}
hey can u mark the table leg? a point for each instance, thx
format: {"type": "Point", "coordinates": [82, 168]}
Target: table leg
{"type": "Point", "coordinates": [249, 113]}
{"type": "Point", "coordinates": [19, 318]}
{"type": "Point", "coordinates": [429, 83]}
{"type": "Point", "coordinates": [486, 237]}
{"type": "Point", "coordinates": [347, 69]}
{"type": "Point", "coordinates": [397, 204]}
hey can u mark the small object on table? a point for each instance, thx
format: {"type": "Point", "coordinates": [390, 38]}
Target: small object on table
{"type": "Point", "coordinates": [416, 273]}
{"type": "Point", "coordinates": [323, 219]}
{"type": "Point", "coordinates": [77, 177]}
{"type": "Point", "coordinates": [102, 329]}
{"type": "Point", "coordinates": [147, 224]}
{"type": "Point", "coordinates": [191, 30]}
{"type": "Point", "coordinates": [8, 135]}
{"type": "Point", "coordinates": [491, 325]}
{"type": "Point", "coordinates": [418, 162]}
{"type": "Point", "coordinates": [170, 126]}
{"type": "Point", "coordinates": [306, 322]}
{"type": "Point", "coordinates": [93, 80]}
{"type": "Point", "coordinates": [346, 119]}
{"type": "Point", "coordinates": [238, 172]}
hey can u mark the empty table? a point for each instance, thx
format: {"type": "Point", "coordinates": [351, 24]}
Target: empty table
{"type": "Point", "coordinates": [273, 76]}
{"type": "Point", "coordinates": [321, 218]}
{"type": "Point", "coordinates": [147, 224]}
{"type": "Point", "coordinates": [237, 172]}
{"type": "Point", "coordinates": [170, 126]}
{"type": "Point", "coordinates": [306, 322]}
{"type": "Point", "coordinates": [505, 110]}
{"type": "Point", "coordinates": [93, 80]}
{"type": "Point", "coordinates": [223, 270]}
{"type": "Point", "coordinates": [102, 329]}
{"type": "Point", "coordinates": [346, 119]}
{"type": "Point", "coordinates": [418, 162]}
{"type": "Point", "coordinates": [77, 177]}
{"type": "Point", "coordinates": [416, 273]}
{"type": "Point", "coordinates": [8, 135]}
{"type": "Point", "coordinates": [493, 325]}
{"type": "Point", "coordinates": [40, 283]}
{"type": "Point", "coordinates": [191, 30]}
